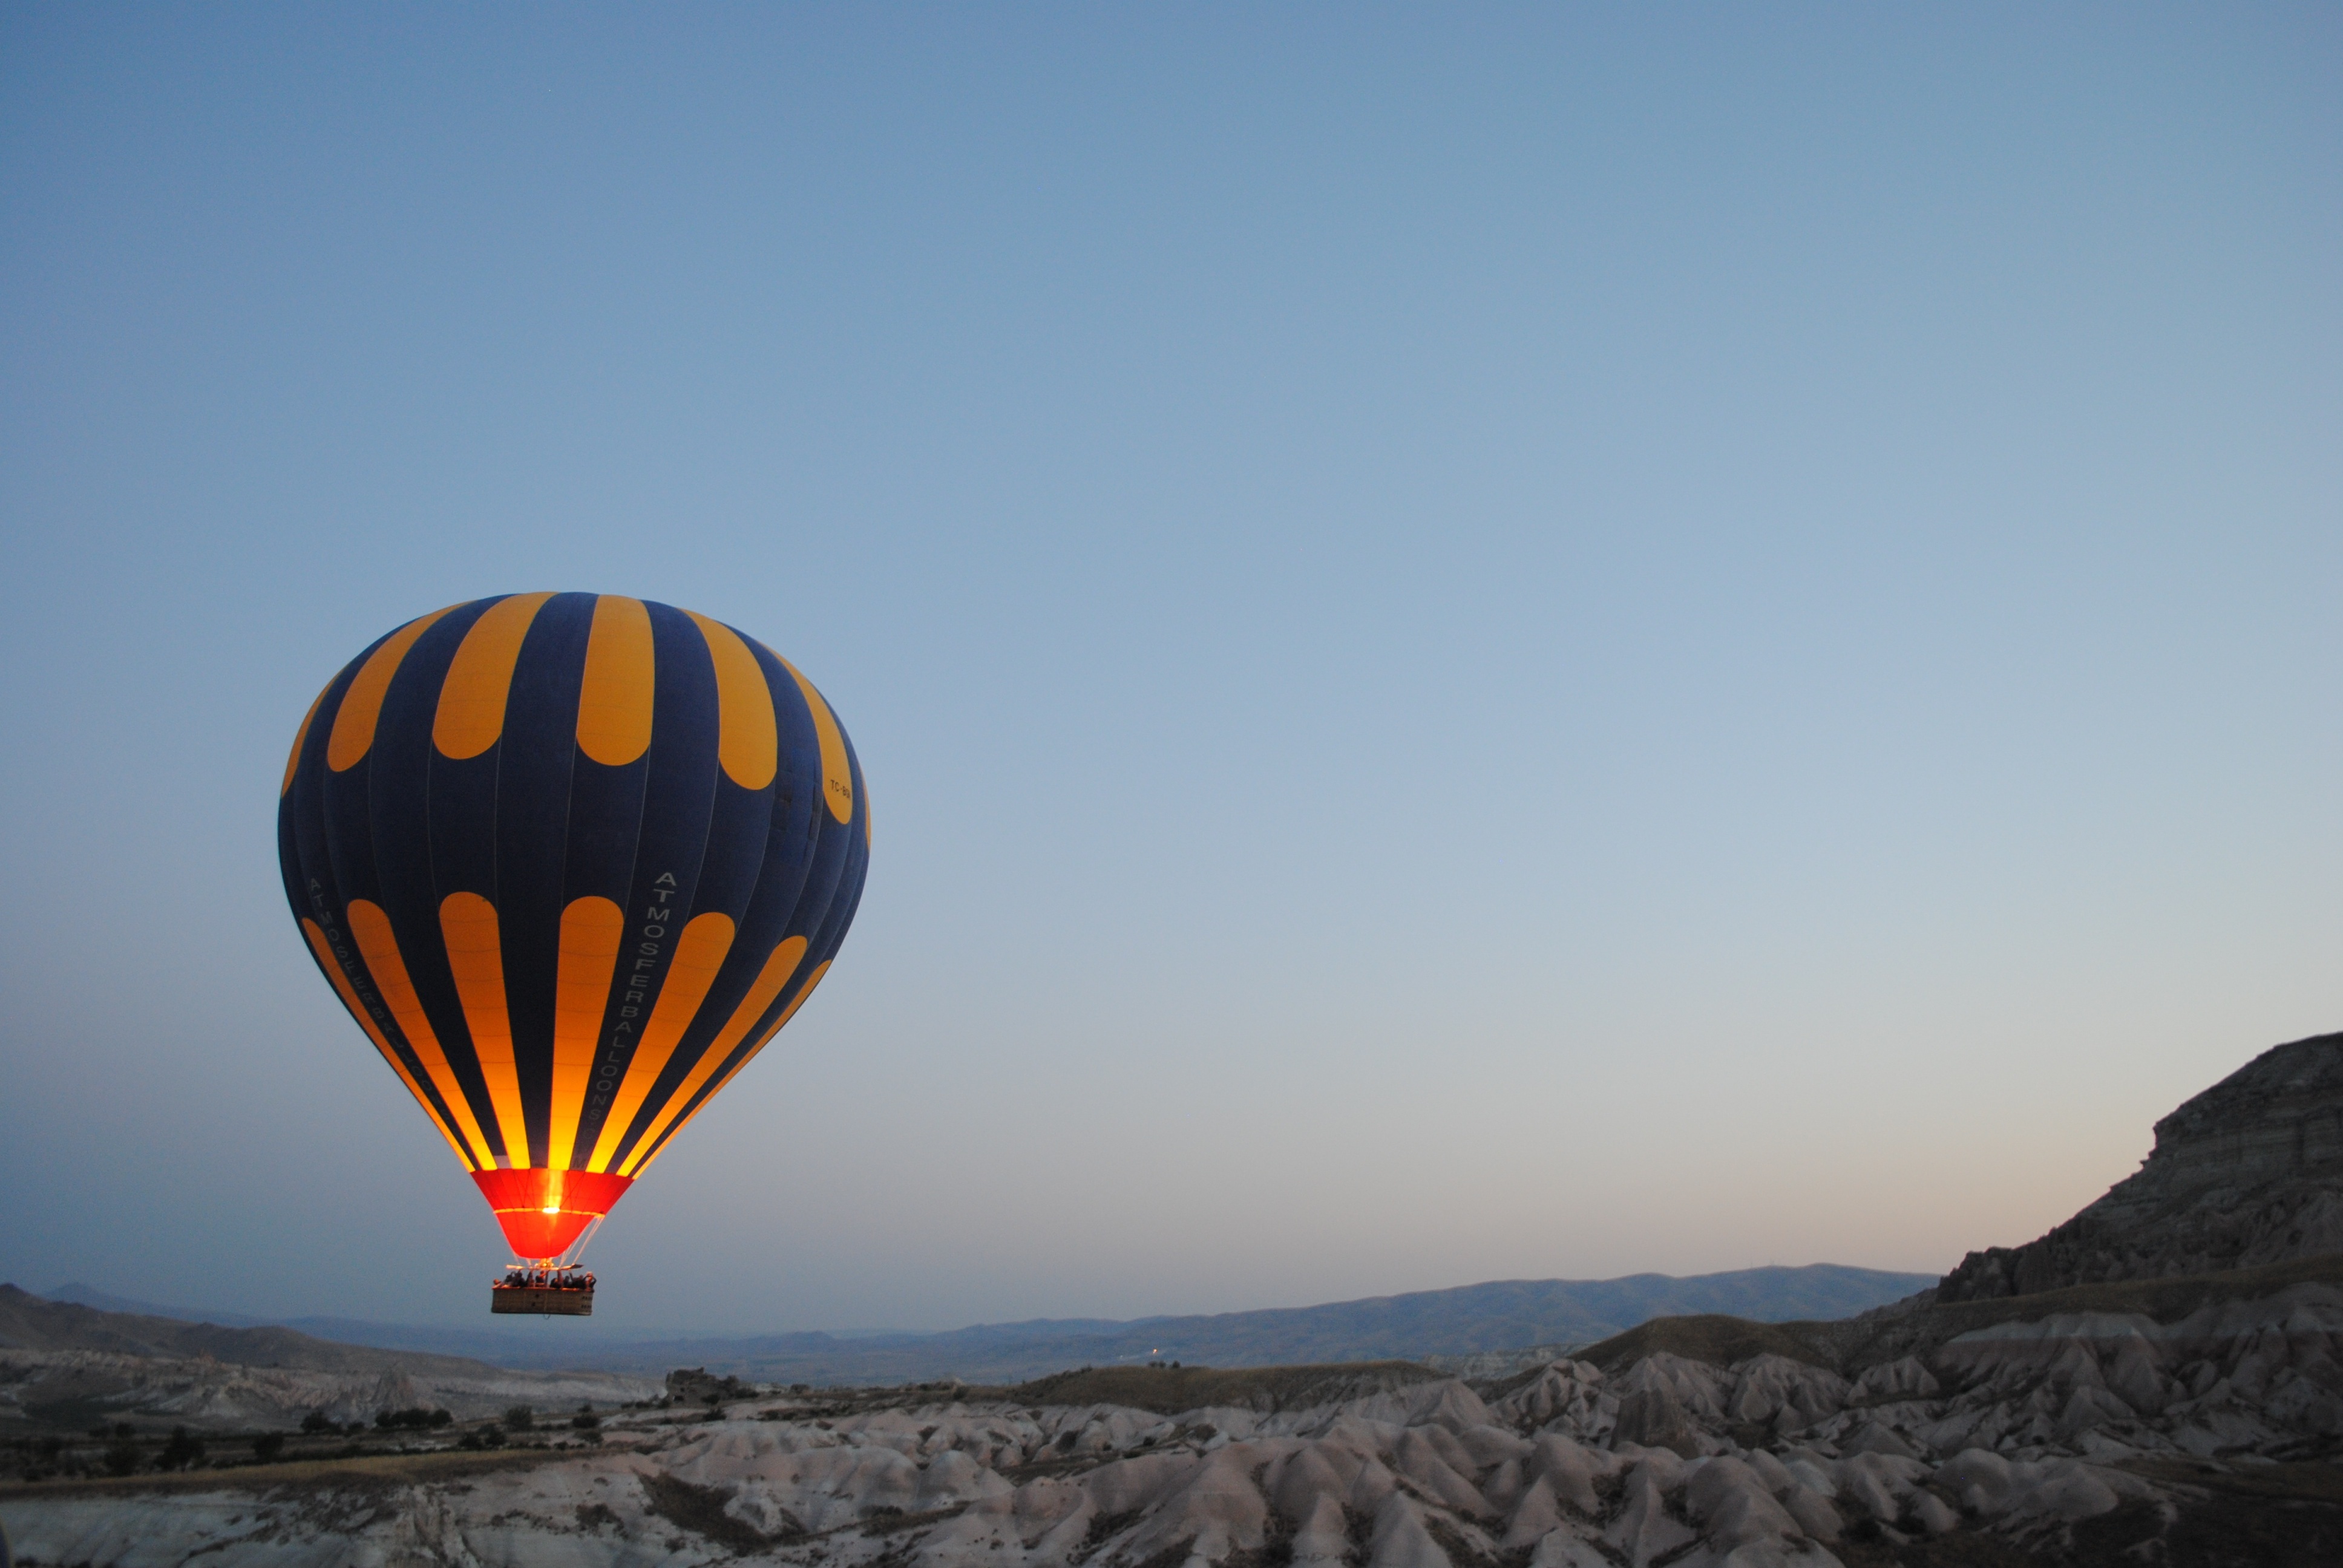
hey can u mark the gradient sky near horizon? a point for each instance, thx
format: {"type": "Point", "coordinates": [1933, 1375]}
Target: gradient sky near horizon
{"type": "Point", "coordinates": [1490, 642]}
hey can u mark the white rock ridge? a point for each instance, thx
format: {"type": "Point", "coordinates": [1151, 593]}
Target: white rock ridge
{"type": "Point", "coordinates": [215, 1393]}
{"type": "Point", "coordinates": [1426, 1476]}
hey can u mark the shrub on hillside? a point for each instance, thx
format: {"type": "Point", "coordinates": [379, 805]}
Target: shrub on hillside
{"type": "Point", "coordinates": [415, 1418]}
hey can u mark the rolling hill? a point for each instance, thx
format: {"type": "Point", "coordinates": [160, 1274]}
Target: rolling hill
{"type": "Point", "coordinates": [1468, 1320]}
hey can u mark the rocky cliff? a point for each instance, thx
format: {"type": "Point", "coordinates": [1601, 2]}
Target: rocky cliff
{"type": "Point", "coordinates": [2249, 1172]}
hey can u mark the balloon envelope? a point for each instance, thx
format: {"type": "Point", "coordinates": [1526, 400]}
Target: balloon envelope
{"type": "Point", "coordinates": [570, 860]}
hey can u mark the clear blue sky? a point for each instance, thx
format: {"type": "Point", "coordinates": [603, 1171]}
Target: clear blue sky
{"type": "Point", "coordinates": [1488, 642]}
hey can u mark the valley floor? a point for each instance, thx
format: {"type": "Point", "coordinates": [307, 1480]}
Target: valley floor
{"type": "Point", "coordinates": [2032, 1455]}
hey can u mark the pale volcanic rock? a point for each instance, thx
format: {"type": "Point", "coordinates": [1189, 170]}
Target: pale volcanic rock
{"type": "Point", "coordinates": [1446, 1403]}
{"type": "Point", "coordinates": [1324, 1532]}
{"type": "Point", "coordinates": [1739, 1519]}
{"type": "Point", "coordinates": [1787, 1395]}
{"type": "Point", "coordinates": [1214, 1507]}
{"type": "Point", "coordinates": [1569, 1394]}
{"type": "Point", "coordinates": [213, 1393]}
{"type": "Point", "coordinates": [1571, 1470]}
{"type": "Point", "coordinates": [1987, 1485]}
{"type": "Point", "coordinates": [1430, 1478]}
{"type": "Point", "coordinates": [1308, 1479]}
{"type": "Point", "coordinates": [1401, 1540]}
{"type": "Point", "coordinates": [1645, 1528]}
{"type": "Point", "coordinates": [1535, 1513]}
{"type": "Point", "coordinates": [2261, 1373]}
{"type": "Point", "coordinates": [1903, 1378]}
{"type": "Point", "coordinates": [1806, 1497]}
{"type": "Point", "coordinates": [1932, 1419]}
{"type": "Point", "coordinates": [1653, 1417]}
{"type": "Point", "coordinates": [1697, 1389]}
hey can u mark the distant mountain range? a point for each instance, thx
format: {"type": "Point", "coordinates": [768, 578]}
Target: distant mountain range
{"type": "Point", "coordinates": [66, 1365]}
{"type": "Point", "coordinates": [59, 1323]}
{"type": "Point", "coordinates": [1466, 1321]}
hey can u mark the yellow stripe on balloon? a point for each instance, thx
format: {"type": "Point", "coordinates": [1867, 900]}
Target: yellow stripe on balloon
{"type": "Point", "coordinates": [613, 702]}
{"type": "Point", "coordinates": [353, 721]}
{"type": "Point", "coordinates": [748, 742]}
{"type": "Point", "coordinates": [292, 763]}
{"type": "Point", "coordinates": [468, 924]}
{"type": "Point", "coordinates": [371, 927]}
{"type": "Point", "coordinates": [779, 965]}
{"type": "Point", "coordinates": [699, 954]}
{"type": "Point", "coordinates": [472, 713]}
{"type": "Point", "coordinates": [332, 966]}
{"type": "Point", "coordinates": [788, 1012]}
{"type": "Point", "coordinates": [837, 777]}
{"type": "Point", "coordinates": [591, 930]}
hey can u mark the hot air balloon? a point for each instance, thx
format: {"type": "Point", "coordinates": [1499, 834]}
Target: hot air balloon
{"type": "Point", "coordinates": [570, 860]}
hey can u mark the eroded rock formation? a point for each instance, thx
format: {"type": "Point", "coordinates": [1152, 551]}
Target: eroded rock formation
{"type": "Point", "coordinates": [2097, 1426]}
{"type": "Point", "coordinates": [2249, 1172]}
{"type": "Point", "coordinates": [2028, 1432]}
{"type": "Point", "coordinates": [211, 1394]}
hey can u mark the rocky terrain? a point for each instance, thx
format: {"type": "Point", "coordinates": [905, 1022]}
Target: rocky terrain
{"type": "Point", "coordinates": [2135, 1413]}
{"type": "Point", "coordinates": [2084, 1441]}
{"type": "Point", "coordinates": [2249, 1172]}
{"type": "Point", "coordinates": [63, 1367]}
